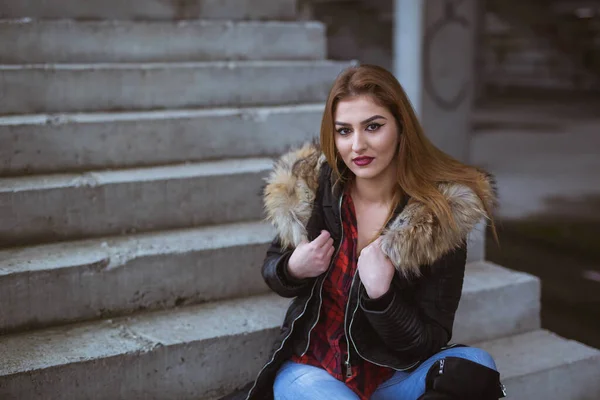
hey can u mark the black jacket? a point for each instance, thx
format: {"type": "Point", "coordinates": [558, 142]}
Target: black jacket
{"type": "Point", "coordinates": [409, 323]}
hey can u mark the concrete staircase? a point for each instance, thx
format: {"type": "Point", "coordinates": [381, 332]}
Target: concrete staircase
{"type": "Point", "coordinates": [132, 153]}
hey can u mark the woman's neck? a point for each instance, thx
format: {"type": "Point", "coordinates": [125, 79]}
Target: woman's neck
{"type": "Point", "coordinates": [378, 190]}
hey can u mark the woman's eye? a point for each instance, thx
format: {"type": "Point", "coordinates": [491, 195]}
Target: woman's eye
{"type": "Point", "coordinates": [343, 131]}
{"type": "Point", "coordinates": [373, 127]}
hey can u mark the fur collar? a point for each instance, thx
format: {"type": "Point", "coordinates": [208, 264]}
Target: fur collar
{"type": "Point", "coordinates": [413, 238]}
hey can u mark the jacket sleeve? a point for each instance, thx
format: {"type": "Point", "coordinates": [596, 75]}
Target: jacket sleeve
{"type": "Point", "coordinates": [276, 275]}
{"type": "Point", "coordinates": [419, 329]}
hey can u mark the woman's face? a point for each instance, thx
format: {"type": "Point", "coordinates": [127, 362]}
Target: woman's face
{"type": "Point", "coordinates": [366, 136]}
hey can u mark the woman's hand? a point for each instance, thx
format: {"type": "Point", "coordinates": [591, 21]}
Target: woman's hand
{"type": "Point", "coordinates": [376, 271]}
{"type": "Point", "coordinates": [311, 259]}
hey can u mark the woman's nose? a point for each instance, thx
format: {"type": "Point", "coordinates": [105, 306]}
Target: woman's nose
{"type": "Point", "coordinates": [359, 144]}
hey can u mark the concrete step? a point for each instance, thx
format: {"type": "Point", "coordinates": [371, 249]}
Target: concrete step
{"type": "Point", "coordinates": [54, 88]}
{"type": "Point", "coordinates": [496, 302]}
{"type": "Point", "coordinates": [542, 365]}
{"type": "Point", "coordinates": [59, 283]}
{"type": "Point", "coordinates": [205, 351]}
{"type": "Point", "coordinates": [149, 9]}
{"type": "Point", "coordinates": [49, 143]}
{"type": "Point", "coordinates": [117, 276]}
{"type": "Point", "coordinates": [67, 41]}
{"type": "Point", "coordinates": [49, 208]}
{"type": "Point", "coordinates": [189, 353]}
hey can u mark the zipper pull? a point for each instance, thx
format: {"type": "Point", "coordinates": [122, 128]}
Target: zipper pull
{"type": "Point", "coordinates": [442, 362]}
{"type": "Point", "coordinates": [348, 369]}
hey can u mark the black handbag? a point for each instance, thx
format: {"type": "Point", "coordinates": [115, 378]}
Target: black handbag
{"type": "Point", "coordinates": [453, 378]}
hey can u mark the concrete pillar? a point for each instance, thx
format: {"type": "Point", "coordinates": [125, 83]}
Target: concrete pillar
{"type": "Point", "coordinates": [434, 60]}
{"type": "Point", "coordinates": [479, 52]}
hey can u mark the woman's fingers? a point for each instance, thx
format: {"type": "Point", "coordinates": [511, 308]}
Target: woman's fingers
{"type": "Point", "coordinates": [330, 252]}
{"type": "Point", "coordinates": [322, 239]}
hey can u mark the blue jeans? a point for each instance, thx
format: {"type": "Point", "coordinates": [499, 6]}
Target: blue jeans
{"type": "Point", "coordinates": [298, 381]}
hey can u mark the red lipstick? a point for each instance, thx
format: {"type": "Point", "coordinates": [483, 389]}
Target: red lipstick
{"type": "Point", "coordinates": [363, 161]}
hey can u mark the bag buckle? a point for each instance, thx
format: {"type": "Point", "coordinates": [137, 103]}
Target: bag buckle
{"type": "Point", "coordinates": [503, 389]}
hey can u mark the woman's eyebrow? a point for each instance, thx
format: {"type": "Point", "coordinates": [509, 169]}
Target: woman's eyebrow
{"type": "Point", "coordinates": [366, 121]}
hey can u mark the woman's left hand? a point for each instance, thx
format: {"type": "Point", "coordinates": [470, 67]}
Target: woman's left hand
{"type": "Point", "coordinates": [376, 271]}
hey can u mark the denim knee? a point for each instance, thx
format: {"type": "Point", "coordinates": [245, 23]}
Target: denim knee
{"type": "Point", "coordinates": [285, 377]}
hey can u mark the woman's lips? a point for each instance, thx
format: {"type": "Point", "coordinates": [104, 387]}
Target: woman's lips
{"type": "Point", "coordinates": [363, 161]}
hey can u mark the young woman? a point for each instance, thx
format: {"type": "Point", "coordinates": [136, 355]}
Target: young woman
{"type": "Point", "coordinates": [371, 245]}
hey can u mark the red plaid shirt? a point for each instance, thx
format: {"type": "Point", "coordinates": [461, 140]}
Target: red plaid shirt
{"type": "Point", "coordinates": [328, 346]}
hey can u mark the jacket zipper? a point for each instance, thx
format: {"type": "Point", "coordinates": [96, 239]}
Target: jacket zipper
{"type": "Point", "coordinates": [325, 277]}
{"type": "Point", "coordinates": [354, 344]}
{"type": "Point", "coordinates": [282, 342]}
{"type": "Point", "coordinates": [348, 348]}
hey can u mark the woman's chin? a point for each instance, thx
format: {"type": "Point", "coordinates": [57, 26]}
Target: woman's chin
{"type": "Point", "coordinates": [365, 172]}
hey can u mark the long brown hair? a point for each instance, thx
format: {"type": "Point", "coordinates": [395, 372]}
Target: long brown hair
{"type": "Point", "coordinates": [422, 166]}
